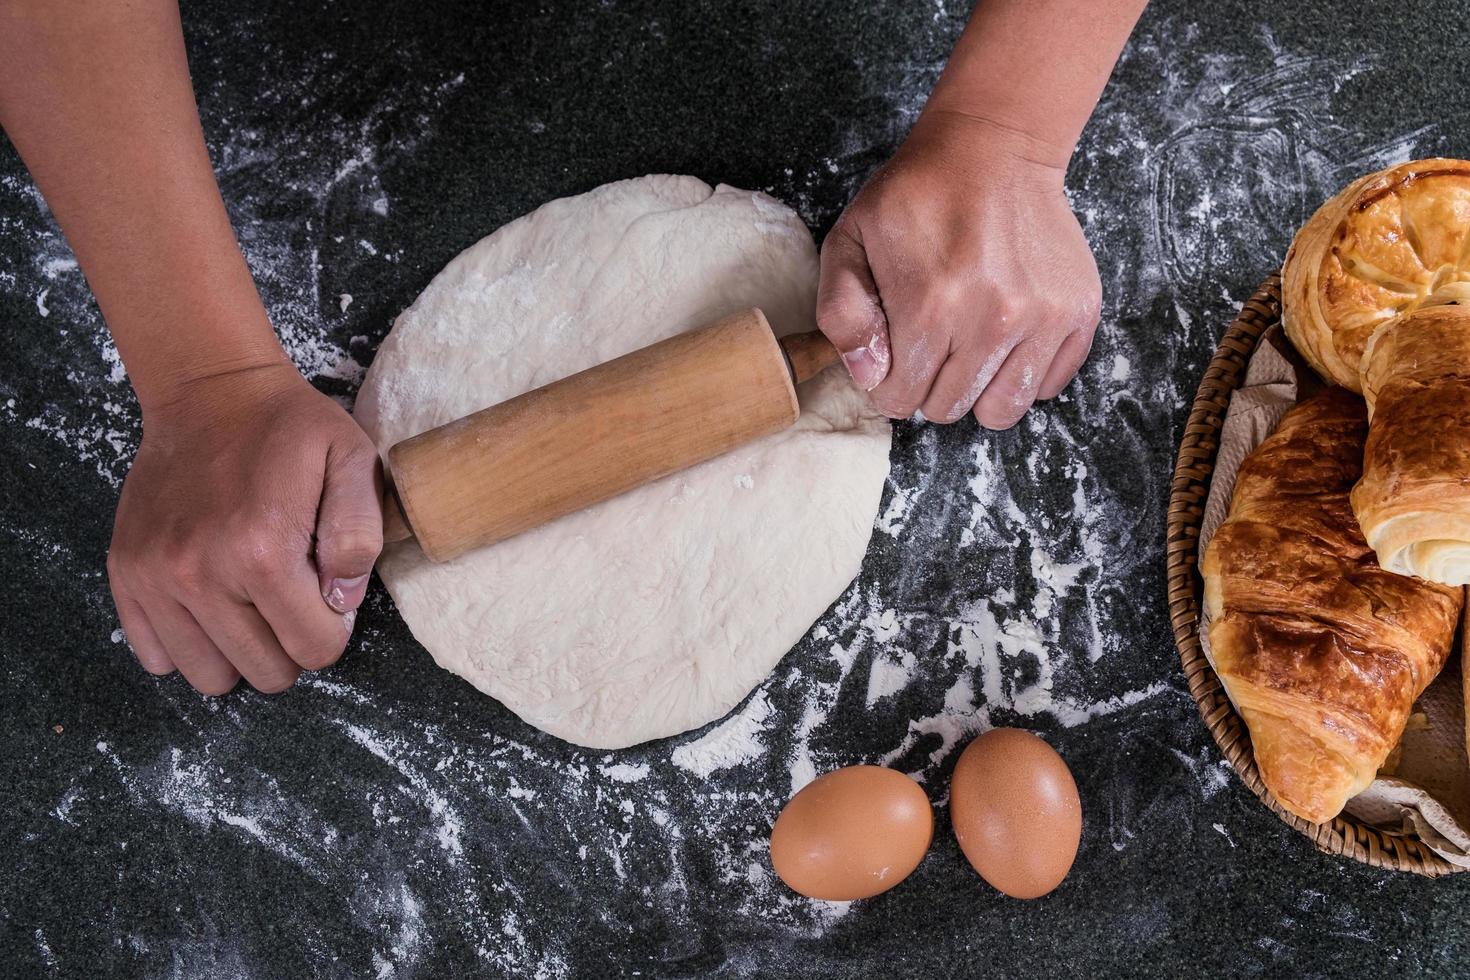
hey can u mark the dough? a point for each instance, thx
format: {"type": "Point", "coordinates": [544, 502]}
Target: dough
{"type": "Point", "coordinates": [657, 611]}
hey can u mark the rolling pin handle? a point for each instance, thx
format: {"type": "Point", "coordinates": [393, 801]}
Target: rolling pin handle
{"type": "Point", "coordinates": [808, 354]}
{"type": "Point", "coordinates": [395, 524]}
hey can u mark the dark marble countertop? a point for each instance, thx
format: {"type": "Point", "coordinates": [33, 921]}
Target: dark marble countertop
{"type": "Point", "coordinates": [383, 819]}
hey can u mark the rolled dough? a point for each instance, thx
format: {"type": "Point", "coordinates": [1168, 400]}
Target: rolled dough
{"type": "Point", "coordinates": [657, 611]}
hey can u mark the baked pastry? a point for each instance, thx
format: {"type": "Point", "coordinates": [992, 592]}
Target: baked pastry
{"type": "Point", "coordinates": [1413, 501]}
{"type": "Point", "coordinates": [1322, 651]}
{"type": "Point", "coordinates": [1465, 685]}
{"type": "Point", "coordinates": [1382, 246]}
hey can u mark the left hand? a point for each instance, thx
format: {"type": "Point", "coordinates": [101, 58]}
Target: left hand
{"type": "Point", "coordinates": [958, 279]}
{"type": "Point", "coordinates": [247, 528]}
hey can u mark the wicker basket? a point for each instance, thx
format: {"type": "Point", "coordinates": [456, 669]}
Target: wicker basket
{"type": "Point", "coordinates": [1345, 835]}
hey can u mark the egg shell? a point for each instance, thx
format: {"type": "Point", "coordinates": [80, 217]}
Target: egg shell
{"type": "Point", "coordinates": [852, 833]}
{"type": "Point", "coordinates": [1014, 807]}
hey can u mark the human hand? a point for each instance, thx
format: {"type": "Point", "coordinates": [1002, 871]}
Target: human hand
{"type": "Point", "coordinates": [958, 279]}
{"type": "Point", "coordinates": [246, 531]}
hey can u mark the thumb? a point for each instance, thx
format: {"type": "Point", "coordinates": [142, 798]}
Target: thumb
{"type": "Point", "coordinates": [849, 310]}
{"type": "Point", "coordinates": [349, 526]}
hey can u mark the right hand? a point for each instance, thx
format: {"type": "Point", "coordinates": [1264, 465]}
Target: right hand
{"type": "Point", "coordinates": [958, 280]}
{"type": "Point", "coordinates": [247, 529]}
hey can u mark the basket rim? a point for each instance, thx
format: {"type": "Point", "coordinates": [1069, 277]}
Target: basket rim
{"type": "Point", "coordinates": [1345, 835]}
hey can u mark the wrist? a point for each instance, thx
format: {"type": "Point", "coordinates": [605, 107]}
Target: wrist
{"type": "Point", "coordinates": [179, 349]}
{"type": "Point", "coordinates": [208, 398]}
{"type": "Point", "coordinates": [976, 146]}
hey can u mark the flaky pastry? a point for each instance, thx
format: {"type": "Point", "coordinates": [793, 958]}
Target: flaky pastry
{"type": "Point", "coordinates": [1413, 501]}
{"type": "Point", "coordinates": [1379, 248]}
{"type": "Point", "coordinates": [1322, 651]}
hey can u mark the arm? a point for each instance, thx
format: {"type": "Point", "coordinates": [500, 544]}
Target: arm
{"type": "Point", "coordinates": [958, 279]}
{"type": "Point", "coordinates": [212, 563]}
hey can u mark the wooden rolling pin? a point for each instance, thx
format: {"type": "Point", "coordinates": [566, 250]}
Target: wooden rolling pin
{"type": "Point", "coordinates": [612, 428]}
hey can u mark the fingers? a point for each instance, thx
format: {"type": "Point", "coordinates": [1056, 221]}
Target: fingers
{"type": "Point", "coordinates": [191, 649]}
{"type": "Point", "coordinates": [1014, 387]}
{"type": "Point", "coordinates": [312, 634]}
{"type": "Point", "coordinates": [1004, 384]}
{"type": "Point", "coordinates": [215, 640]}
{"type": "Point", "coordinates": [140, 636]}
{"type": "Point", "coordinates": [918, 354]}
{"type": "Point", "coordinates": [232, 531]}
{"type": "Point", "coordinates": [349, 528]}
{"type": "Point", "coordinates": [961, 382]}
{"type": "Point", "coordinates": [238, 630]}
{"type": "Point", "coordinates": [849, 311]}
{"type": "Point", "coordinates": [1065, 365]}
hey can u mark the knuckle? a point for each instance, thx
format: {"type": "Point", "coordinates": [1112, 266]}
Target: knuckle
{"type": "Point", "coordinates": [1005, 402]}
{"type": "Point", "coordinates": [357, 542]}
{"type": "Point", "coordinates": [179, 561]}
{"type": "Point", "coordinates": [322, 646]}
{"type": "Point", "coordinates": [153, 660]}
{"type": "Point", "coordinates": [1060, 314]}
{"type": "Point", "coordinates": [949, 295]}
{"type": "Point", "coordinates": [1085, 319]}
{"type": "Point", "coordinates": [844, 315]}
{"type": "Point", "coordinates": [276, 680]}
{"type": "Point", "coordinates": [1027, 383]}
{"type": "Point", "coordinates": [258, 551]}
{"type": "Point", "coordinates": [359, 453]}
{"type": "Point", "coordinates": [842, 244]}
{"type": "Point", "coordinates": [1005, 316]}
{"type": "Point", "coordinates": [1091, 311]}
{"type": "Point", "coordinates": [189, 575]}
{"type": "Point", "coordinates": [1085, 308]}
{"type": "Point", "coordinates": [835, 253]}
{"type": "Point", "coordinates": [215, 687]}
{"type": "Point", "coordinates": [321, 655]}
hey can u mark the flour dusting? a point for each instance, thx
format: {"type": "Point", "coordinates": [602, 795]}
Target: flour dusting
{"type": "Point", "coordinates": [733, 741]}
{"type": "Point", "coordinates": [1004, 573]}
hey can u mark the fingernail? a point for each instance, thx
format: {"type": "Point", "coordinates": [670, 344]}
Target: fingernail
{"type": "Point", "coordinates": [349, 618]}
{"type": "Point", "coordinates": [345, 594]}
{"type": "Point", "coordinates": [868, 364]}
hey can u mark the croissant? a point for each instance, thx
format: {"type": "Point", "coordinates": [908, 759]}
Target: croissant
{"type": "Point", "coordinates": [1413, 501]}
{"type": "Point", "coordinates": [1465, 686]}
{"type": "Point", "coordinates": [1382, 246]}
{"type": "Point", "coordinates": [1322, 651]}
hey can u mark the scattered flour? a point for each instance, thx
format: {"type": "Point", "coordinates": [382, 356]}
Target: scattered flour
{"type": "Point", "coordinates": [1003, 571]}
{"type": "Point", "coordinates": [398, 756]}
{"type": "Point", "coordinates": [624, 772]}
{"type": "Point", "coordinates": [733, 741]}
{"type": "Point", "coordinates": [891, 521]}
{"type": "Point", "coordinates": [888, 675]}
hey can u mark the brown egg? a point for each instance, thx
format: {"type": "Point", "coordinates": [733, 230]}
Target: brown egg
{"type": "Point", "coordinates": [1015, 811]}
{"type": "Point", "coordinates": [853, 833]}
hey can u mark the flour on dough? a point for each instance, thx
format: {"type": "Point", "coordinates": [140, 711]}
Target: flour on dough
{"type": "Point", "coordinates": [657, 611]}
